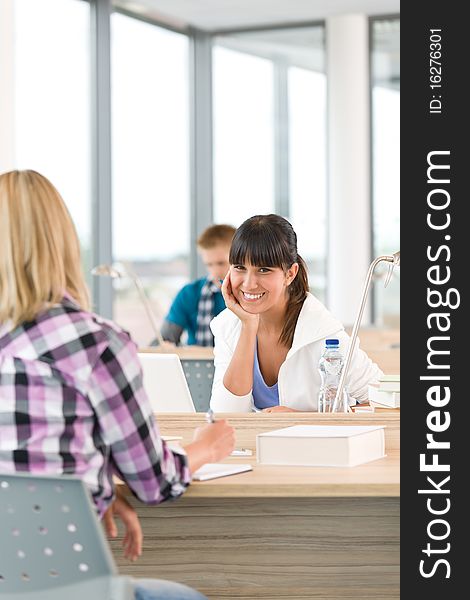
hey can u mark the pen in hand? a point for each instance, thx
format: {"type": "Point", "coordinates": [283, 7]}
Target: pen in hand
{"type": "Point", "coordinates": [210, 416]}
{"type": "Point", "coordinates": [243, 451]}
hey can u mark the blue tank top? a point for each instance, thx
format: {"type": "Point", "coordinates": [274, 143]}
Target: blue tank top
{"type": "Point", "coordinates": [264, 396]}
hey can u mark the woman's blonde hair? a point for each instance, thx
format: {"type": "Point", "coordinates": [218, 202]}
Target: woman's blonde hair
{"type": "Point", "coordinates": [39, 248]}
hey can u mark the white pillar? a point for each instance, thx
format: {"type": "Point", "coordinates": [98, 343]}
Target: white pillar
{"type": "Point", "coordinates": [349, 222]}
{"type": "Point", "coordinates": [7, 88]}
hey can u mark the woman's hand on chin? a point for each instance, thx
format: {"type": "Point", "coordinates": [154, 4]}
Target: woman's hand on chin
{"type": "Point", "coordinates": [273, 409]}
{"type": "Point", "coordinates": [232, 304]}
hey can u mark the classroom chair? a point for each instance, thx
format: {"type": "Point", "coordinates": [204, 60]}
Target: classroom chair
{"type": "Point", "coordinates": [199, 375]}
{"type": "Point", "coordinates": [52, 543]}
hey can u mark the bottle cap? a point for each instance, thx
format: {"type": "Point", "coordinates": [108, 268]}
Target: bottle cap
{"type": "Point", "coordinates": [331, 342]}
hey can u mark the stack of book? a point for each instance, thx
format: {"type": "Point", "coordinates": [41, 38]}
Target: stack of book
{"type": "Point", "coordinates": [387, 393]}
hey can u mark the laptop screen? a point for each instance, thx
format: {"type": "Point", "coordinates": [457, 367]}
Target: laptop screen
{"type": "Point", "coordinates": [165, 383]}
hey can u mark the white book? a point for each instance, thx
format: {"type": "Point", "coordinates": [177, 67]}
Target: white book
{"type": "Point", "coordinates": [214, 470]}
{"type": "Point", "coordinates": [321, 445]}
{"type": "Point", "coordinates": [382, 398]}
{"type": "Point", "coordinates": [390, 377]}
{"type": "Point", "coordinates": [389, 383]}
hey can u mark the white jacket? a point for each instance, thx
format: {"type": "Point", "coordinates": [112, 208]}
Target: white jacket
{"type": "Point", "coordinates": [299, 378]}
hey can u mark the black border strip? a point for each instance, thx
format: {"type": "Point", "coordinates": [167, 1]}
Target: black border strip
{"type": "Point", "coordinates": [445, 251]}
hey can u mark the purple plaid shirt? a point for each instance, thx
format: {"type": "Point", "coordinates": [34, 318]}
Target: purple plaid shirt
{"type": "Point", "coordinates": [72, 401]}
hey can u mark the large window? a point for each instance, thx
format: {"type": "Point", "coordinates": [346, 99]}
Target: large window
{"type": "Point", "coordinates": [51, 99]}
{"type": "Point", "coordinates": [307, 157]}
{"type": "Point", "coordinates": [150, 152]}
{"type": "Point", "coordinates": [270, 133]}
{"type": "Point", "coordinates": [385, 78]}
{"type": "Point", "coordinates": [243, 136]}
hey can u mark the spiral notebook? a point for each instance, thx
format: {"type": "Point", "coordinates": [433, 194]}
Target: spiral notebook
{"type": "Point", "coordinates": [214, 470]}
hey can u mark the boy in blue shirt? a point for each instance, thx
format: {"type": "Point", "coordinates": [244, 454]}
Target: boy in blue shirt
{"type": "Point", "coordinates": [198, 302]}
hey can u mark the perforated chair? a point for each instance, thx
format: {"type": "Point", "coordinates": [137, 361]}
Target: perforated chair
{"type": "Point", "coordinates": [199, 375]}
{"type": "Point", "coordinates": [52, 543]}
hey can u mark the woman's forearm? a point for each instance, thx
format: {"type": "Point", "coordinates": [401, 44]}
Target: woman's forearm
{"type": "Point", "coordinates": [198, 454]}
{"type": "Point", "coordinates": [238, 378]}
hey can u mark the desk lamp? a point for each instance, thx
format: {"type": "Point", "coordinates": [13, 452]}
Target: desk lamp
{"type": "Point", "coordinates": [394, 261]}
{"type": "Point", "coordinates": [109, 271]}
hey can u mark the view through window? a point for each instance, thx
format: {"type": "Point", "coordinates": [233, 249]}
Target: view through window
{"type": "Point", "coordinates": [52, 102]}
{"type": "Point", "coordinates": [270, 134]}
{"type": "Point", "coordinates": [385, 78]}
{"type": "Point", "coordinates": [150, 154]}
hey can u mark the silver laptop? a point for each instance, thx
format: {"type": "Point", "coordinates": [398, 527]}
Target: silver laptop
{"type": "Point", "coordinates": [165, 383]}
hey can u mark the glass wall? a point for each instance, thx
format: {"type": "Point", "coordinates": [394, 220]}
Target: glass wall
{"type": "Point", "coordinates": [269, 138]}
{"type": "Point", "coordinates": [150, 164]}
{"type": "Point", "coordinates": [307, 161]}
{"type": "Point", "coordinates": [385, 78]}
{"type": "Point", "coordinates": [269, 97]}
{"type": "Point", "coordinates": [243, 135]}
{"type": "Point", "coordinates": [51, 94]}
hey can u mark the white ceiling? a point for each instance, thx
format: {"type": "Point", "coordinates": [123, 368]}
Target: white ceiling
{"type": "Point", "coordinates": [216, 15]}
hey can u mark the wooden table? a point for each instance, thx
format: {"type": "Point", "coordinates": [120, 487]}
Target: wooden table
{"type": "Point", "coordinates": [201, 352]}
{"type": "Point", "coordinates": [382, 346]}
{"type": "Point", "coordinates": [279, 532]}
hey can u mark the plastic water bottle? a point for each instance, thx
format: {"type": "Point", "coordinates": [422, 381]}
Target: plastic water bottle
{"type": "Point", "coordinates": [330, 367]}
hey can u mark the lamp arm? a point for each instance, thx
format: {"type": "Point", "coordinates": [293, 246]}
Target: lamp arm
{"type": "Point", "coordinates": [347, 361]}
{"type": "Point", "coordinates": [145, 301]}
{"type": "Point", "coordinates": [148, 309]}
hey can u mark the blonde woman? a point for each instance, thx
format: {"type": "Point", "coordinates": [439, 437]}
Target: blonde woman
{"type": "Point", "coordinates": [71, 395]}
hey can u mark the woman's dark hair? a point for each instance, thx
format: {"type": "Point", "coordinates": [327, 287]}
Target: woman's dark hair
{"type": "Point", "coordinates": [270, 241]}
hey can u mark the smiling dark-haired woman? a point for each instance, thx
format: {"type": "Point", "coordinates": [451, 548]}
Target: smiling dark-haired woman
{"type": "Point", "coordinates": [269, 340]}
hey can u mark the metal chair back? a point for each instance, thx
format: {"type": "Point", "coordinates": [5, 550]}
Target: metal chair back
{"type": "Point", "coordinates": [52, 545]}
{"type": "Point", "coordinates": [199, 375]}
